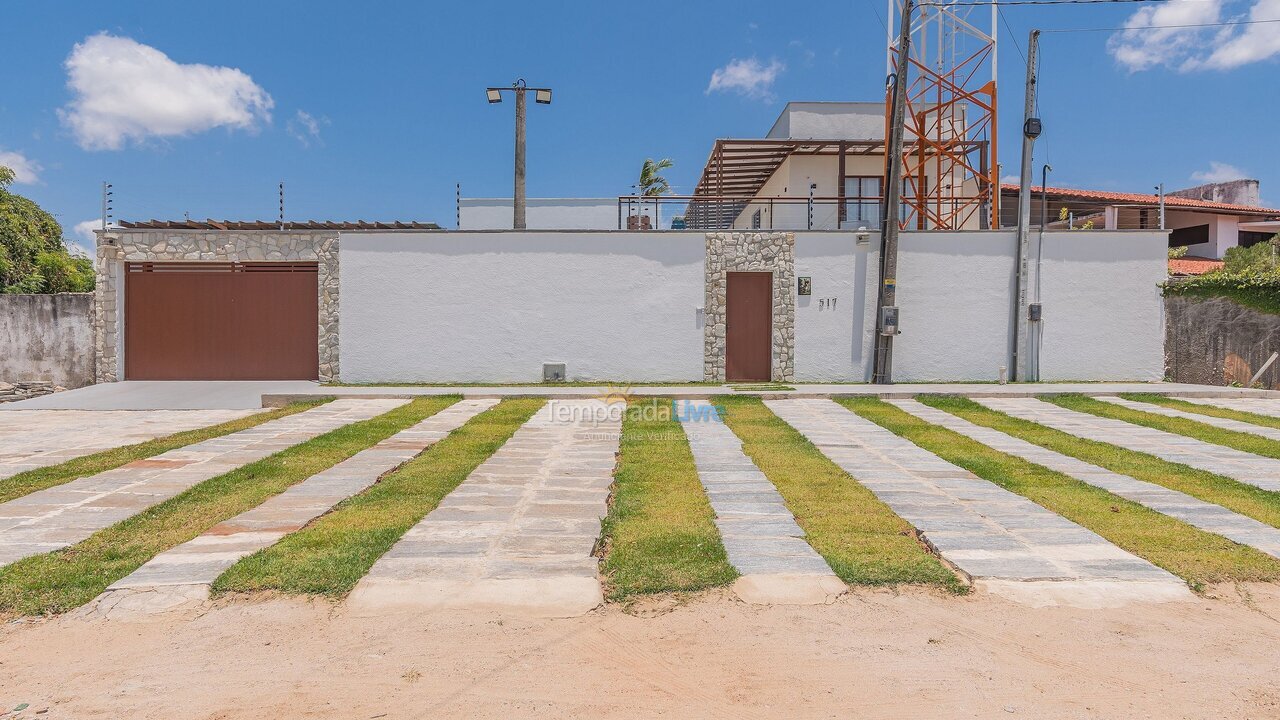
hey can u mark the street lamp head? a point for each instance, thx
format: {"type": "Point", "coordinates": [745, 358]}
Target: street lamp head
{"type": "Point", "coordinates": [542, 96]}
{"type": "Point", "coordinates": [494, 95]}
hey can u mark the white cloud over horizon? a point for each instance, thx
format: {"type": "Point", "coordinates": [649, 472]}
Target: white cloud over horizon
{"type": "Point", "coordinates": [1152, 39]}
{"type": "Point", "coordinates": [82, 237]}
{"type": "Point", "coordinates": [747, 77]}
{"type": "Point", "coordinates": [1218, 172]}
{"type": "Point", "coordinates": [25, 170]}
{"type": "Point", "coordinates": [305, 128]}
{"type": "Point", "coordinates": [127, 92]}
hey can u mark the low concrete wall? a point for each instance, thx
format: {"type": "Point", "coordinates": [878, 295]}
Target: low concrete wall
{"type": "Point", "coordinates": [1217, 342]}
{"type": "Point", "coordinates": [47, 337]}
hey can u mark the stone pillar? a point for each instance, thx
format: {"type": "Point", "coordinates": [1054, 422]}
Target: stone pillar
{"type": "Point", "coordinates": [749, 252]}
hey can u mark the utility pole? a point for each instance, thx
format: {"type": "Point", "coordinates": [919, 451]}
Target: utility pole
{"type": "Point", "coordinates": [887, 317]}
{"type": "Point", "coordinates": [542, 96]}
{"type": "Point", "coordinates": [1031, 128]}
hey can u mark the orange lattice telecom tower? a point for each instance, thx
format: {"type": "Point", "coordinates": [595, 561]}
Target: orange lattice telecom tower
{"type": "Point", "coordinates": [951, 178]}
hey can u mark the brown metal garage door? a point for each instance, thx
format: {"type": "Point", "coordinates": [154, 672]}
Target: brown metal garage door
{"type": "Point", "coordinates": [221, 321]}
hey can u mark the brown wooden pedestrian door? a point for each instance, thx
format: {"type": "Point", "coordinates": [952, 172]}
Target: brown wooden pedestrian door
{"type": "Point", "coordinates": [221, 321]}
{"type": "Point", "coordinates": [748, 326]}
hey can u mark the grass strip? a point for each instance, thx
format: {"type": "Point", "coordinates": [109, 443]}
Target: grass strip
{"type": "Point", "coordinates": [863, 541]}
{"type": "Point", "coordinates": [64, 579]}
{"type": "Point", "coordinates": [660, 533]}
{"type": "Point", "coordinates": [1259, 504]}
{"type": "Point", "coordinates": [1210, 410]}
{"type": "Point", "coordinates": [1196, 556]}
{"type": "Point", "coordinates": [1178, 426]}
{"type": "Point", "coordinates": [330, 555]}
{"type": "Point", "coordinates": [25, 483]}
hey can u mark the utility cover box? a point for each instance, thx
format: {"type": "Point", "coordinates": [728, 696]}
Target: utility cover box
{"type": "Point", "coordinates": [553, 372]}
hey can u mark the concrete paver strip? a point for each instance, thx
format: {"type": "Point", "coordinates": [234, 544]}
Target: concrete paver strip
{"type": "Point", "coordinates": [1198, 513]}
{"type": "Point", "coordinates": [1004, 542]}
{"type": "Point", "coordinates": [760, 534]}
{"type": "Point", "coordinates": [517, 535]}
{"type": "Point", "coordinates": [185, 572]}
{"type": "Point", "coordinates": [1257, 406]}
{"type": "Point", "coordinates": [31, 439]}
{"type": "Point", "coordinates": [1246, 467]}
{"type": "Point", "coordinates": [1225, 423]}
{"type": "Point", "coordinates": [66, 514]}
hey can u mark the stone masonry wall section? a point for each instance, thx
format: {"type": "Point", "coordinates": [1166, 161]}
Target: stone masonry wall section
{"type": "Point", "coordinates": [1215, 341]}
{"type": "Point", "coordinates": [118, 246]}
{"type": "Point", "coordinates": [746, 252]}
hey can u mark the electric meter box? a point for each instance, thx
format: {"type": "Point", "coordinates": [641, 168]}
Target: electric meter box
{"type": "Point", "coordinates": [889, 320]}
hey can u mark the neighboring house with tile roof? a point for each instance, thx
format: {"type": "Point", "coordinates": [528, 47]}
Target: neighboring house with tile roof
{"type": "Point", "coordinates": [1187, 266]}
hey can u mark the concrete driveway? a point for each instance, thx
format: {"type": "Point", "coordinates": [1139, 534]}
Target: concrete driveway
{"type": "Point", "coordinates": [167, 395]}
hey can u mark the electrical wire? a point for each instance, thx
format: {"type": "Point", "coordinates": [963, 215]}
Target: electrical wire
{"type": "Point", "coordinates": [1163, 27]}
{"type": "Point", "coordinates": [983, 3]}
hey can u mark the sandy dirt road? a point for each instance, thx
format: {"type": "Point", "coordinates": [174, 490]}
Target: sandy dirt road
{"type": "Point", "coordinates": [873, 654]}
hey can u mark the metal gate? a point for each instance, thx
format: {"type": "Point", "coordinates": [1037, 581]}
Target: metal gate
{"type": "Point", "coordinates": [221, 321]}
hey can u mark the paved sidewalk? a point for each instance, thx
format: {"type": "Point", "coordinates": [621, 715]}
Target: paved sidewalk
{"type": "Point", "coordinates": [1225, 423]}
{"type": "Point", "coordinates": [1204, 515]}
{"type": "Point", "coordinates": [1002, 541]}
{"type": "Point", "coordinates": [1255, 405]}
{"type": "Point", "coordinates": [1246, 467]}
{"type": "Point", "coordinates": [760, 534]}
{"type": "Point", "coordinates": [185, 572]}
{"type": "Point", "coordinates": [31, 439]}
{"type": "Point", "coordinates": [168, 395]}
{"type": "Point", "coordinates": [518, 534]}
{"type": "Point", "coordinates": [66, 514]}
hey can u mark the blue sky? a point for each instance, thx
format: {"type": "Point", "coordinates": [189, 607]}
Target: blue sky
{"type": "Point", "coordinates": [376, 113]}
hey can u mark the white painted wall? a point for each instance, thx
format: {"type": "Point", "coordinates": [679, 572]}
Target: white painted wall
{"type": "Point", "coordinates": [1103, 313]}
{"type": "Point", "coordinates": [492, 307]}
{"type": "Point", "coordinates": [541, 213]}
{"type": "Point", "coordinates": [954, 293]}
{"type": "Point", "coordinates": [618, 306]}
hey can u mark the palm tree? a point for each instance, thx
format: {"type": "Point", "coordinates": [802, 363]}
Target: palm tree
{"type": "Point", "coordinates": [651, 183]}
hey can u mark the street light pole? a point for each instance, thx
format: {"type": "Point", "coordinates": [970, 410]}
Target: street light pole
{"type": "Point", "coordinates": [542, 96]}
{"type": "Point", "coordinates": [518, 202]}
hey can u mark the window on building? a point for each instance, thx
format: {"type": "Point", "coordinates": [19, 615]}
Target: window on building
{"type": "Point", "coordinates": [862, 201]}
{"type": "Point", "coordinates": [755, 220]}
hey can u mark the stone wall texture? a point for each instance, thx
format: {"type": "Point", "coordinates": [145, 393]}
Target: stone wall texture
{"type": "Point", "coordinates": [47, 338]}
{"type": "Point", "coordinates": [118, 246]}
{"type": "Point", "coordinates": [1218, 342]}
{"type": "Point", "coordinates": [750, 252]}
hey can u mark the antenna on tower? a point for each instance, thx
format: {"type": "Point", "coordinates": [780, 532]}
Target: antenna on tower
{"type": "Point", "coordinates": [950, 172]}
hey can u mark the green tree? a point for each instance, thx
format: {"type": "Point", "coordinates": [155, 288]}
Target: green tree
{"type": "Point", "coordinates": [33, 255]}
{"type": "Point", "coordinates": [651, 181]}
{"type": "Point", "coordinates": [1259, 257]}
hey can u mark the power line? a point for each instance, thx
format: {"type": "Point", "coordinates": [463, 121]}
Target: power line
{"type": "Point", "coordinates": [1163, 27]}
{"type": "Point", "coordinates": [984, 3]}
{"type": "Point", "coordinates": [1012, 35]}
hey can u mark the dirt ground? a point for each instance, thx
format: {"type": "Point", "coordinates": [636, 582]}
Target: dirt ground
{"type": "Point", "coordinates": [873, 654]}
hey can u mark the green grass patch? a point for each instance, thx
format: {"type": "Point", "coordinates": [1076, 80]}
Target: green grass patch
{"type": "Point", "coordinates": [660, 533]}
{"type": "Point", "coordinates": [65, 579]}
{"type": "Point", "coordinates": [25, 483]}
{"type": "Point", "coordinates": [1210, 410]}
{"type": "Point", "coordinates": [1180, 426]}
{"type": "Point", "coordinates": [1194, 555]}
{"type": "Point", "coordinates": [1262, 505]}
{"type": "Point", "coordinates": [862, 540]}
{"type": "Point", "coordinates": [329, 556]}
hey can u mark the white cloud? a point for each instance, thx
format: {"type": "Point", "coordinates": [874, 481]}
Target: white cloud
{"type": "Point", "coordinates": [126, 91]}
{"type": "Point", "coordinates": [746, 77]}
{"type": "Point", "coordinates": [1251, 43]}
{"type": "Point", "coordinates": [1196, 48]}
{"type": "Point", "coordinates": [25, 170]}
{"type": "Point", "coordinates": [84, 240]}
{"type": "Point", "coordinates": [1218, 172]}
{"type": "Point", "coordinates": [305, 128]}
